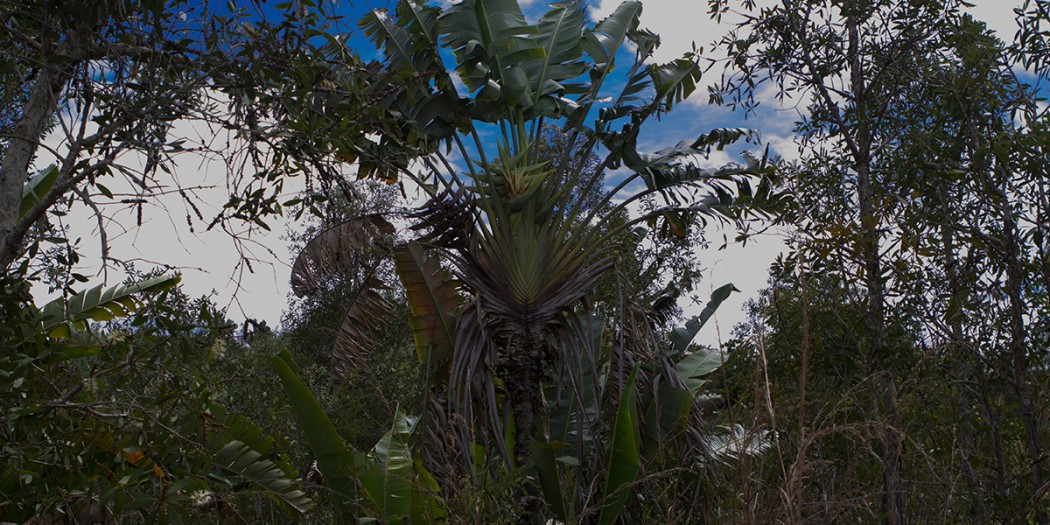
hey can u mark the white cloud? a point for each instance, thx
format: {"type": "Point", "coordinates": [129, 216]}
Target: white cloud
{"type": "Point", "coordinates": [998, 14]}
{"type": "Point", "coordinates": [783, 145]}
{"type": "Point", "coordinates": [746, 267]}
{"type": "Point", "coordinates": [680, 24]}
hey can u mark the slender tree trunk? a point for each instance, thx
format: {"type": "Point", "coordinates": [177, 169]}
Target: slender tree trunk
{"type": "Point", "coordinates": [1019, 353]}
{"type": "Point", "coordinates": [888, 413]}
{"type": "Point", "coordinates": [1042, 234]}
{"type": "Point", "coordinates": [25, 137]}
{"type": "Point", "coordinates": [959, 352]}
{"type": "Point", "coordinates": [893, 490]}
{"type": "Point", "coordinates": [993, 417]}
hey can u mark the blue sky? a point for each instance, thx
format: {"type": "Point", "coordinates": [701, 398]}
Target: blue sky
{"type": "Point", "coordinates": [209, 262]}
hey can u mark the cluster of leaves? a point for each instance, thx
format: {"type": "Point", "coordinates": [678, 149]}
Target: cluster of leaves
{"type": "Point", "coordinates": [113, 409]}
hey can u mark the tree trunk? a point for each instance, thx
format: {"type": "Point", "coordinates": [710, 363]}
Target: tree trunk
{"type": "Point", "coordinates": [526, 366]}
{"type": "Point", "coordinates": [1019, 354]}
{"type": "Point", "coordinates": [959, 350]}
{"type": "Point", "coordinates": [37, 114]}
{"type": "Point", "coordinates": [994, 418]}
{"type": "Point", "coordinates": [889, 413]}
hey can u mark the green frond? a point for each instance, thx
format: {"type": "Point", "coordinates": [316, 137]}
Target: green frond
{"type": "Point", "coordinates": [60, 317]}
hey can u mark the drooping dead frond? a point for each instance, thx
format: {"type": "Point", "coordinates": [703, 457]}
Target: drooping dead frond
{"type": "Point", "coordinates": [336, 249]}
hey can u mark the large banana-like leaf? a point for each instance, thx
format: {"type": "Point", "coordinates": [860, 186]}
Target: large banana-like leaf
{"type": "Point", "coordinates": [631, 92]}
{"type": "Point", "coordinates": [430, 506]}
{"type": "Point", "coordinates": [484, 35]}
{"type": "Point", "coordinates": [60, 317]}
{"type": "Point", "coordinates": [666, 415]}
{"type": "Point", "coordinates": [605, 40]}
{"type": "Point", "coordinates": [393, 481]}
{"type": "Point", "coordinates": [559, 33]}
{"type": "Point", "coordinates": [674, 81]}
{"type": "Point", "coordinates": [574, 403]}
{"type": "Point", "coordinates": [682, 336]}
{"type": "Point", "coordinates": [690, 192]}
{"type": "Point", "coordinates": [698, 364]}
{"type": "Point", "coordinates": [360, 333]}
{"type": "Point", "coordinates": [334, 459]}
{"type": "Point", "coordinates": [665, 168]}
{"type": "Point", "coordinates": [733, 441]}
{"type": "Point", "coordinates": [433, 301]}
{"type": "Point", "coordinates": [543, 456]}
{"type": "Point", "coordinates": [668, 411]}
{"type": "Point", "coordinates": [336, 249]}
{"type": "Point", "coordinates": [388, 475]}
{"type": "Point", "coordinates": [624, 455]}
{"type": "Point", "coordinates": [693, 366]}
{"type": "Point", "coordinates": [602, 44]}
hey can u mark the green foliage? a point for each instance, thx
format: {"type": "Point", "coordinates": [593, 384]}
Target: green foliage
{"type": "Point", "coordinates": [240, 459]}
{"type": "Point", "coordinates": [397, 482]}
{"type": "Point", "coordinates": [334, 459]}
{"type": "Point", "coordinates": [894, 347]}
{"type": "Point", "coordinates": [141, 437]}
{"type": "Point", "coordinates": [591, 441]}
{"type": "Point", "coordinates": [36, 189]}
{"type": "Point", "coordinates": [891, 371]}
{"type": "Point", "coordinates": [360, 401]}
{"type": "Point", "coordinates": [63, 315]}
{"type": "Point", "coordinates": [624, 458]}
{"type": "Point", "coordinates": [397, 486]}
{"type": "Point", "coordinates": [248, 454]}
